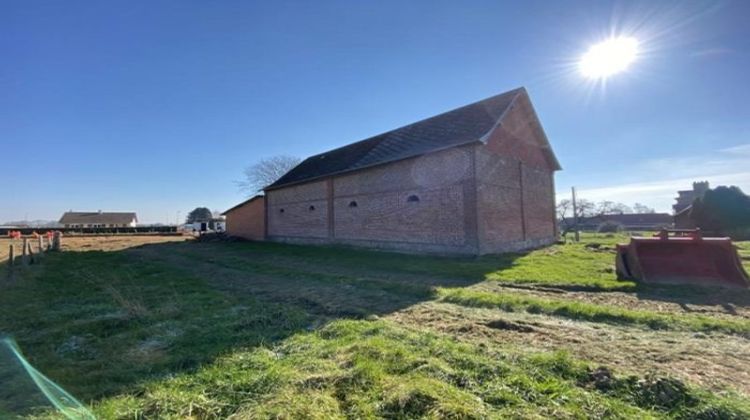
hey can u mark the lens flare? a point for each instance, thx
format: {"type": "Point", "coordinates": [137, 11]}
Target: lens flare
{"type": "Point", "coordinates": [609, 57]}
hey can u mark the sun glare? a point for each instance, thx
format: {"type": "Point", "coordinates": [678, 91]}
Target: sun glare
{"type": "Point", "coordinates": [609, 57]}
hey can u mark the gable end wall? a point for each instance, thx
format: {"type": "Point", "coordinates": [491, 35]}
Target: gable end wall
{"type": "Point", "coordinates": [515, 185]}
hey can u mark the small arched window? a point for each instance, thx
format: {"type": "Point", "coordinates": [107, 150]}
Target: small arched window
{"type": "Point", "coordinates": [311, 208]}
{"type": "Point", "coordinates": [412, 199]}
{"type": "Point", "coordinates": [352, 204]}
{"type": "Point", "coordinates": [281, 210]}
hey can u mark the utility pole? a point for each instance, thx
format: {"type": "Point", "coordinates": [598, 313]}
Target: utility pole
{"type": "Point", "coordinates": [575, 215]}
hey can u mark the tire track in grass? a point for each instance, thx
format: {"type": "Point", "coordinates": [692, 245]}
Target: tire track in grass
{"type": "Point", "coordinates": [607, 314]}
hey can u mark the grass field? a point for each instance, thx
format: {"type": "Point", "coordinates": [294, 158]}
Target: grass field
{"type": "Point", "coordinates": [155, 327]}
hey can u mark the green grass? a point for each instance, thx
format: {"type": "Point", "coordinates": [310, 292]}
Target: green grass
{"type": "Point", "coordinates": [593, 312]}
{"type": "Point", "coordinates": [122, 321]}
{"type": "Point", "coordinates": [744, 251]}
{"type": "Point", "coordinates": [363, 369]}
{"type": "Point", "coordinates": [558, 265]}
{"type": "Point", "coordinates": [208, 330]}
{"type": "Point", "coordinates": [573, 266]}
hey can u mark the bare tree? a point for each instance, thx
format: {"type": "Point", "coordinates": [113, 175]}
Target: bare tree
{"type": "Point", "coordinates": [611, 207]}
{"type": "Point", "coordinates": [584, 208]}
{"type": "Point", "coordinates": [266, 172]}
{"type": "Point", "coordinates": [642, 208]}
{"type": "Point", "coordinates": [621, 208]}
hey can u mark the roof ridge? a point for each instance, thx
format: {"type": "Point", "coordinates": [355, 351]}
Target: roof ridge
{"type": "Point", "coordinates": [452, 128]}
{"type": "Point", "coordinates": [517, 90]}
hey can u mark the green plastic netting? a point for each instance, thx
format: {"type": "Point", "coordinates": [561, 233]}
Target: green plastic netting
{"type": "Point", "coordinates": [26, 392]}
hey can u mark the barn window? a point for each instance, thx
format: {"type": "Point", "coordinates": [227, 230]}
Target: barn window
{"type": "Point", "coordinates": [281, 210]}
{"type": "Point", "coordinates": [352, 204]}
{"type": "Point", "coordinates": [311, 208]}
{"type": "Point", "coordinates": [412, 199]}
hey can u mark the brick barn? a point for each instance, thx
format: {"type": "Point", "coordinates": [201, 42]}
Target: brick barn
{"type": "Point", "coordinates": [247, 219]}
{"type": "Point", "coordinates": [475, 180]}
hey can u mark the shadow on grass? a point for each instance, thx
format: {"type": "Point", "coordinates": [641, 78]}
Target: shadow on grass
{"type": "Point", "coordinates": [103, 323]}
{"type": "Point", "coordinates": [685, 294]}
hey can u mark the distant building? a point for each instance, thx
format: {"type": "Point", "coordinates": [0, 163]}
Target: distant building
{"type": "Point", "coordinates": [98, 219]}
{"type": "Point", "coordinates": [630, 221]}
{"type": "Point", "coordinates": [247, 220]}
{"type": "Point", "coordinates": [208, 225]}
{"type": "Point", "coordinates": [685, 198]}
{"type": "Point", "coordinates": [684, 204]}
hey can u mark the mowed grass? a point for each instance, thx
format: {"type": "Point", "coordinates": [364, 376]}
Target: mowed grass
{"type": "Point", "coordinates": [261, 330]}
{"type": "Point", "coordinates": [608, 314]}
{"type": "Point", "coordinates": [99, 322]}
{"type": "Point", "coordinates": [573, 265]}
{"type": "Point", "coordinates": [374, 369]}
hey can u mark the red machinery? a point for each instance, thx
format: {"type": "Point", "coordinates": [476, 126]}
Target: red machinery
{"type": "Point", "coordinates": [681, 256]}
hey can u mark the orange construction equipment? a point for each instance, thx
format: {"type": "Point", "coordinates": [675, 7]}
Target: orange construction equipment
{"type": "Point", "coordinates": [681, 256]}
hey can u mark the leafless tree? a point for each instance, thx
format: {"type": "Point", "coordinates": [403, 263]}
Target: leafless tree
{"type": "Point", "coordinates": [266, 172]}
{"type": "Point", "coordinates": [642, 208]}
{"type": "Point", "coordinates": [584, 208]}
{"type": "Point", "coordinates": [611, 207]}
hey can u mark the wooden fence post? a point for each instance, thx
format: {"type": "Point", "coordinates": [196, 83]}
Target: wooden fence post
{"type": "Point", "coordinates": [11, 260]}
{"type": "Point", "coordinates": [56, 240]}
{"type": "Point", "coordinates": [32, 255]}
{"type": "Point", "coordinates": [25, 252]}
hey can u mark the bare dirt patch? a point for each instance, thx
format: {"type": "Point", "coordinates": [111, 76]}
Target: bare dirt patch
{"type": "Point", "coordinates": [721, 303]}
{"type": "Point", "coordinates": [96, 243]}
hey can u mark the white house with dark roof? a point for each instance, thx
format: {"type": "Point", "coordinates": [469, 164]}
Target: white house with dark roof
{"type": "Point", "coordinates": [98, 219]}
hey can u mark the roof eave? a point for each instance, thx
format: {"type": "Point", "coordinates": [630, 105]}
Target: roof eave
{"type": "Point", "coordinates": [248, 201]}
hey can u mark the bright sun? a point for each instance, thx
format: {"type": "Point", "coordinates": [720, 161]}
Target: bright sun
{"type": "Point", "coordinates": [608, 57]}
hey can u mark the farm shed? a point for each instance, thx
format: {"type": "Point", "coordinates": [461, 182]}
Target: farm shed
{"type": "Point", "coordinates": [98, 219]}
{"type": "Point", "coordinates": [247, 219]}
{"type": "Point", "coordinates": [475, 180]}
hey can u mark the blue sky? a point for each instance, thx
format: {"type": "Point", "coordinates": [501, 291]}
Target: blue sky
{"type": "Point", "coordinates": [157, 106]}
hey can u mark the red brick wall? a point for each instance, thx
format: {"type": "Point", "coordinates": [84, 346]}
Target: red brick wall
{"type": "Point", "coordinates": [289, 212]}
{"type": "Point", "coordinates": [247, 221]}
{"type": "Point", "coordinates": [384, 217]}
{"type": "Point", "coordinates": [384, 212]}
{"type": "Point", "coordinates": [516, 206]}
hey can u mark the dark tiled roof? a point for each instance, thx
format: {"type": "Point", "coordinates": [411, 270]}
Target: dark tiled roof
{"type": "Point", "coordinates": [461, 126]}
{"type": "Point", "coordinates": [72, 217]}
{"type": "Point", "coordinates": [249, 200]}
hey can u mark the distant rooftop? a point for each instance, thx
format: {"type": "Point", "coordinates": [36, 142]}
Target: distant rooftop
{"type": "Point", "coordinates": [98, 217]}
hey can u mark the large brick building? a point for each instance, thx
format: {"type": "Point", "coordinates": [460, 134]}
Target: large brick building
{"type": "Point", "coordinates": [475, 180]}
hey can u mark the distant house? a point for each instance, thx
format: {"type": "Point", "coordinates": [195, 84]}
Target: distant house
{"type": "Point", "coordinates": [99, 219]}
{"type": "Point", "coordinates": [630, 221]}
{"type": "Point", "coordinates": [247, 219]}
{"type": "Point", "coordinates": [685, 198]}
{"type": "Point", "coordinates": [684, 204]}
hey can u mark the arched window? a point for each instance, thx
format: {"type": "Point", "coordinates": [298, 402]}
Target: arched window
{"type": "Point", "coordinates": [311, 208]}
{"type": "Point", "coordinates": [412, 199]}
{"type": "Point", "coordinates": [352, 204]}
